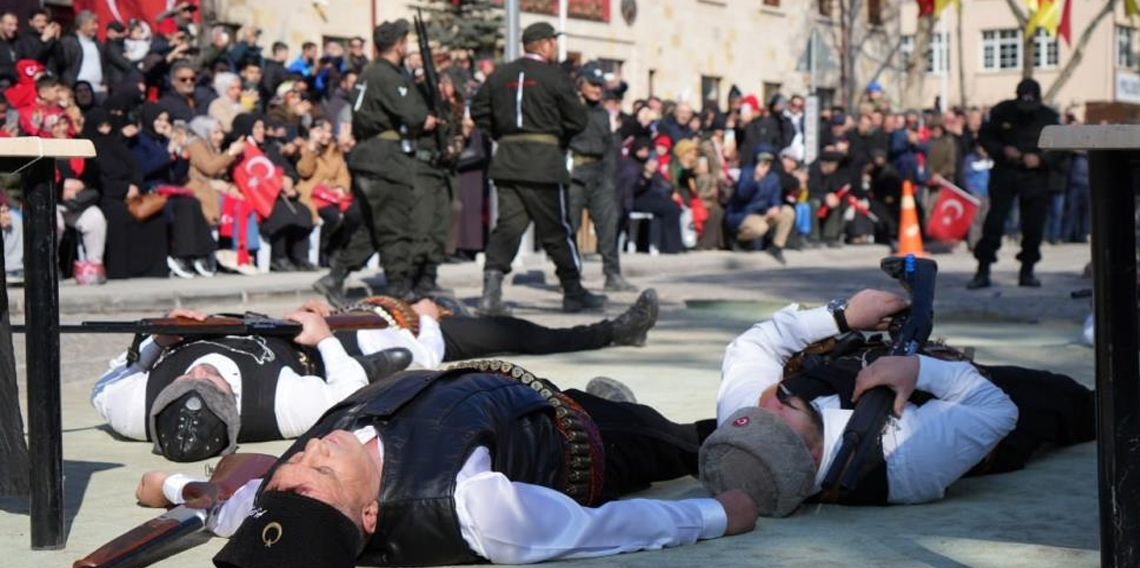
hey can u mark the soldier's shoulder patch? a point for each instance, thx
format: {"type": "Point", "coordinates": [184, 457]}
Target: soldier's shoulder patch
{"type": "Point", "coordinates": [402, 90]}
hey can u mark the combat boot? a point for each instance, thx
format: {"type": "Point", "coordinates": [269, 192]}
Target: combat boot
{"type": "Point", "coordinates": [399, 288]}
{"type": "Point", "coordinates": [615, 283]}
{"type": "Point", "coordinates": [981, 277]}
{"type": "Point", "coordinates": [576, 298]}
{"type": "Point", "coordinates": [1026, 277]}
{"type": "Point", "coordinates": [632, 327]}
{"type": "Point", "coordinates": [331, 286]}
{"type": "Point", "coordinates": [491, 304]}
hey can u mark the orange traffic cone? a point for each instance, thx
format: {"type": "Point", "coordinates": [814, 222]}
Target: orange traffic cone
{"type": "Point", "coordinates": [910, 234]}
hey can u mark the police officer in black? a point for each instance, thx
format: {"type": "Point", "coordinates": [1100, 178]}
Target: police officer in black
{"type": "Point", "coordinates": [593, 163]}
{"type": "Point", "coordinates": [531, 109]}
{"type": "Point", "coordinates": [1021, 171]}
{"type": "Point", "coordinates": [388, 116]}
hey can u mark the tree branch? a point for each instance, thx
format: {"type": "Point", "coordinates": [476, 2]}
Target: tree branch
{"type": "Point", "coordinates": [1018, 13]}
{"type": "Point", "coordinates": [1078, 51]}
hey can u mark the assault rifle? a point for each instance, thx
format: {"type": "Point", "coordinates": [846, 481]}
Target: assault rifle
{"type": "Point", "coordinates": [164, 535]}
{"type": "Point", "coordinates": [247, 324]}
{"type": "Point", "coordinates": [910, 331]}
{"type": "Point", "coordinates": [431, 82]}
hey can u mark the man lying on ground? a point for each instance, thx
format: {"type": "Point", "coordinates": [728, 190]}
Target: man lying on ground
{"type": "Point", "coordinates": [481, 462]}
{"type": "Point", "coordinates": [201, 397]}
{"type": "Point", "coordinates": [783, 405]}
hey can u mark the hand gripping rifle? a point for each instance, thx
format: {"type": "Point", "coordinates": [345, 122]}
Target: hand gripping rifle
{"type": "Point", "coordinates": [164, 535]}
{"type": "Point", "coordinates": [431, 82]}
{"type": "Point", "coordinates": [917, 276]}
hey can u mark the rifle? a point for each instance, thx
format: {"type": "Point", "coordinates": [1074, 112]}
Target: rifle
{"type": "Point", "coordinates": [164, 535]}
{"type": "Point", "coordinates": [248, 324]}
{"type": "Point", "coordinates": [917, 276]}
{"type": "Point", "coordinates": [431, 80]}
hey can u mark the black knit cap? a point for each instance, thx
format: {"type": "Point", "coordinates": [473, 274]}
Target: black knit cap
{"type": "Point", "coordinates": [287, 530]}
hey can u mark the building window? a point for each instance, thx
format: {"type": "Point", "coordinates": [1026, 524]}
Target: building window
{"type": "Point", "coordinates": [770, 90]}
{"type": "Point", "coordinates": [1046, 53]}
{"type": "Point", "coordinates": [937, 57]}
{"type": "Point", "coordinates": [651, 79]}
{"type": "Point", "coordinates": [874, 12]}
{"type": "Point", "coordinates": [1001, 49]}
{"type": "Point", "coordinates": [610, 65]}
{"type": "Point", "coordinates": [710, 90]}
{"type": "Point", "coordinates": [772, 3]}
{"type": "Point", "coordinates": [1126, 47]}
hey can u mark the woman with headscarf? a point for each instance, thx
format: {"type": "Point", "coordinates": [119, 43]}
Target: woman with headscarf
{"type": "Point", "coordinates": [84, 96]}
{"type": "Point", "coordinates": [158, 152]}
{"type": "Point", "coordinates": [326, 187]}
{"type": "Point", "coordinates": [209, 164]}
{"type": "Point", "coordinates": [290, 222]}
{"type": "Point", "coordinates": [133, 248]}
{"type": "Point", "coordinates": [228, 104]}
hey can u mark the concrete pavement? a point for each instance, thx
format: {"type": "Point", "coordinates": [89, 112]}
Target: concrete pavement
{"type": "Point", "coordinates": [1044, 516]}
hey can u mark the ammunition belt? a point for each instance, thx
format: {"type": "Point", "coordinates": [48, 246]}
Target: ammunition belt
{"type": "Point", "coordinates": [537, 137]}
{"type": "Point", "coordinates": [583, 471]}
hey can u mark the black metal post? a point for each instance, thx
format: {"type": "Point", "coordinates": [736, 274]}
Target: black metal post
{"type": "Point", "coordinates": [13, 448]}
{"type": "Point", "coordinates": [41, 301]}
{"type": "Point", "coordinates": [1117, 361]}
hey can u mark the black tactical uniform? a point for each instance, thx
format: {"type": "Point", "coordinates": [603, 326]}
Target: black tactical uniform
{"type": "Point", "coordinates": [388, 115]}
{"type": "Point", "coordinates": [431, 210]}
{"type": "Point", "coordinates": [1016, 123]}
{"type": "Point", "coordinates": [531, 109]}
{"type": "Point", "coordinates": [592, 154]}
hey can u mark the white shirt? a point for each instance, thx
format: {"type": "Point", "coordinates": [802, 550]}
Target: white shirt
{"type": "Point", "coordinates": [926, 450]}
{"type": "Point", "coordinates": [427, 348]}
{"type": "Point", "coordinates": [91, 68]}
{"type": "Point", "coordinates": [518, 523]}
{"type": "Point", "coordinates": [120, 395]}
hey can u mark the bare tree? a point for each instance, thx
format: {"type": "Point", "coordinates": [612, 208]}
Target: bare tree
{"type": "Point", "coordinates": [915, 66]}
{"type": "Point", "coordinates": [1078, 51]}
{"type": "Point", "coordinates": [1022, 18]}
{"type": "Point", "coordinates": [863, 45]}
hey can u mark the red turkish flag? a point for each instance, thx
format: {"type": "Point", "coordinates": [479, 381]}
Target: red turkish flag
{"type": "Point", "coordinates": [952, 215]}
{"type": "Point", "coordinates": [124, 11]}
{"type": "Point", "coordinates": [259, 180]}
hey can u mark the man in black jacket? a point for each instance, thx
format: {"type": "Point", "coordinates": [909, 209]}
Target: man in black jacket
{"type": "Point", "coordinates": [1021, 171]}
{"type": "Point", "coordinates": [39, 41]}
{"type": "Point", "coordinates": [9, 23]}
{"type": "Point", "coordinates": [116, 66]}
{"type": "Point", "coordinates": [532, 110]}
{"type": "Point", "coordinates": [83, 53]}
{"type": "Point", "coordinates": [775, 130]}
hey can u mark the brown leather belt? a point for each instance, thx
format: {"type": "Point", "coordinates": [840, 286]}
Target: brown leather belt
{"type": "Point", "coordinates": [537, 137]}
{"type": "Point", "coordinates": [584, 463]}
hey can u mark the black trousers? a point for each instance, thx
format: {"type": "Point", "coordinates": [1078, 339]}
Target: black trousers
{"type": "Point", "coordinates": [1033, 205]}
{"type": "Point", "coordinates": [387, 209]}
{"type": "Point", "coordinates": [667, 214]}
{"type": "Point", "coordinates": [592, 189]}
{"type": "Point", "coordinates": [288, 228]}
{"type": "Point", "coordinates": [641, 445]}
{"type": "Point", "coordinates": [545, 204]}
{"type": "Point", "coordinates": [1052, 410]}
{"type": "Point", "coordinates": [338, 227]}
{"type": "Point", "coordinates": [189, 232]}
{"type": "Point", "coordinates": [431, 220]}
{"type": "Point", "coordinates": [472, 338]}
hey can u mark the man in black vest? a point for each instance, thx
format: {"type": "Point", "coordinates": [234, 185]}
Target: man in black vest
{"type": "Point", "coordinates": [483, 462]}
{"type": "Point", "coordinates": [531, 109]}
{"type": "Point", "coordinates": [200, 397]}
{"type": "Point", "coordinates": [783, 412]}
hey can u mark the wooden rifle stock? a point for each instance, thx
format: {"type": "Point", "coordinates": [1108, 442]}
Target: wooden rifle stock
{"type": "Point", "coordinates": [156, 538]}
{"type": "Point", "coordinates": [219, 325]}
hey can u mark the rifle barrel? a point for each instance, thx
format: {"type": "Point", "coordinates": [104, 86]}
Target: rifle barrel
{"type": "Point", "coordinates": [149, 542]}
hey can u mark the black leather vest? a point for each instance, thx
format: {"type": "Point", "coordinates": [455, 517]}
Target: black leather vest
{"type": "Point", "coordinates": [260, 360]}
{"type": "Point", "coordinates": [429, 423]}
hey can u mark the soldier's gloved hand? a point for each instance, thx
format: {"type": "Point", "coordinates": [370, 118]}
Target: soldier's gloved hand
{"type": "Point", "coordinates": [871, 310]}
{"type": "Point", "coordinates": [898, 373]}
{"type": "Point", "coordinates": [313, 328]}
{"type": "Point", "coordinates": [149, 492]}
{"type": "Point", "coordinates": [740, 510]}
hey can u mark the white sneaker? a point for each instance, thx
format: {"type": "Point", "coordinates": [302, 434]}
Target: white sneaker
{"type": "Point", "coordinates": [205, 267]}
{"type": "Point", "coordinates": [248, 270]}
{"type": "Point", "coordinates": [177, 269]}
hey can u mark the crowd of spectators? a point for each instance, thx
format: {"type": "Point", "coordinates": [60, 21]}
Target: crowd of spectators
{"type": "Point", "coordinates": [179, 119]}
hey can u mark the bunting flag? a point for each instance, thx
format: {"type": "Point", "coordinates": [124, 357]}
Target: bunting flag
{"type": "Point", "coordinates": [940, 5]}
{"type": "Point", "coordinates": [1054, 17]}
{"type": "Point", "coordinates": [935, 7]}
{"type": "Point", "coordinates": [1131, 8]}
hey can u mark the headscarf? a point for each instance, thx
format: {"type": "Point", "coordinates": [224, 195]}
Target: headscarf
{"type": "Point", "coordinates": [243, 124]}
{"type": "Point", "coordinates": [111, 153]}
{"type": "Point", "coordinates": [150, 113]}
{"type": "Point", "coordinates": [75, 89]}
{"type": "Point", "coordinates": [202, 127]}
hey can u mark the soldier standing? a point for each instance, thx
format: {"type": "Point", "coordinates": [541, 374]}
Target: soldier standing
{"type": "Point", "coordinates": [531, 109]}
{"type": "Point", "coordinates": [388, 114]}
{"type": "Point", "coordinates": [592, 176]}
{"type": "Point", "coordinates": [1021, 171]}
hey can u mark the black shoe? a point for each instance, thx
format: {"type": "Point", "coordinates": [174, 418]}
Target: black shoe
{"type": "Point", "coordinates": [281, 265]}
{"type": "Point", "coordinates": [426, 286]}
{"type": "Point", "coordinates": [1027, 279]}
{"type": "Point", "coordinates": [615, 283]}
{"type": "Point", "coordinates": [384, 363]}
{"type": "Point", "coordinates": [835, 244]}
{"type": "Point", "coordinates": [180, 267]}
{"type": "Point", "coordinates": [981, 278]}
{"type": "Point", "coordinates": [331, 286]}
{"type": "Point", "coordinates": [303, 265]}
{"type": "Point", "coordinates": [632, 327]}
{"type": "Point", "coordinates": [583, 301]}
{"type": "Point", "coordinates": [610, 389]}
{"type": "Point", "coordinates": [491, 304]}
{"type": "Point", "coordinates": [399, 288]}
{"type": "Point", "coordinates": [451, 304]}
{"type": "Point", "coordinates": [778, 254]}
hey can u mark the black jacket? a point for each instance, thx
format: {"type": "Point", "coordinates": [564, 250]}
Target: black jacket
{"type": "Point", "coordinates": [116, 66]}
{"type": "Point", "coordinates": [775, 130]}
{"type": "Point", "coordinates": [8, 58]}
{"type": "Point", "coordinates": [72, 62]}
{"type": "Point", "coordinates": [1009, 126]}
{"type": "Point", "coordinates": [389, 101]}
{"type": "Point", "coordinates": [29, 46]}
{"type": "Point", "coordinates": [529, 97]}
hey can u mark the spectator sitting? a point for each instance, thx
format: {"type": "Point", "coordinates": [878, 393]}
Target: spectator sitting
{"type": "Point", "coordinates": [9, 26]}
{"type": "Point", "coordinates": [709, 180]}
{"type": "Point", "coordinates": [209, 165]}
{"type": "Point", "coordinates": [339, 101]}
{"type": "Point", "coordinates": [23, 93]}
{"type": "Point", "coordinates": [825, 180]}
{"type": "Point", "coordinates": [183, 102]}
{"type": "Point", "coordinates": [83, 53]}
{"type": "Point", "coordinates": [246, 48]}
{"type": "Point", "coordinates": [158, 150]}
{"type": "Point", "coordinates": [305, 64]}
{"type": "Point", "coordinates": [253, 94]}
{"type": "Point", "coordinates": [325, 187]}
{"type": "Point", "coordinates": [638, 175]}
{"type": "Point", "coordinates": [40, 40]}
{"type": "Point", "coordinates": [357, 59]}
{"type": "Point", "coordinates": [273, 69]}
{"type": "Point", "coordinates": [84, 97]}
{"type": "Point", "coordinates": [774, 130]}
{"type": "Point", "coordinates": [228, 104]}
{"type": "Point", "coordinates": [77, 209]}
{"type": "Point", "coordinates": [676, 125]}
{"type": "Point", "coordinates": [38, 118]}
{"type": "Point", "coordinates": [116, 65]}
{"type": "Point", "coordinates": [757, 208]}
{"type": "Point", "coordinates": [864, 138]}
{"type": "Point", "coordinates": [137, 43]}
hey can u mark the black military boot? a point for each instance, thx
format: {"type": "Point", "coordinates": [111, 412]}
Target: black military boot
{"type": "Point", "coordinates": [576, 298]}
{"type": "Point", "coordinates": [615, 283]}
{"type": "Point", "coordinates": [1026, 278]}
{"type": "Point", "coordinates": [399, 288]}
{"type": "Point", "coordinates": [631, 327]}
{"type": "Point", "coordinates": [384, 363]}
{"type": "Point", "coordinates": [491, 304]}
{"type": "Point", "coordinates": [981, 277]}
{"type": "Point", "coordinates": [331, 285]}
